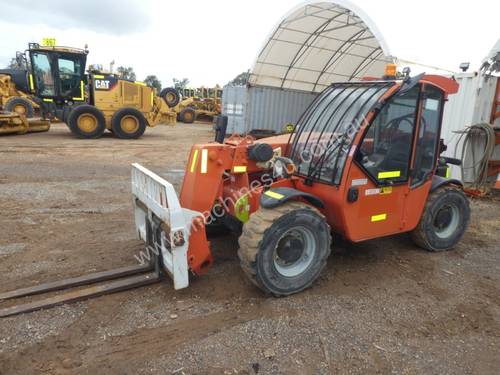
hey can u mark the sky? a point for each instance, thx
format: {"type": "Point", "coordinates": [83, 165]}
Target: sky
{"type": "Point", "coordinates": [210, 42]}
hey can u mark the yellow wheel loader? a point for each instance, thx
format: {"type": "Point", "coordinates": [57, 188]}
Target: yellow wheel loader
{"type": "Point", "coordinates": [92, 103]}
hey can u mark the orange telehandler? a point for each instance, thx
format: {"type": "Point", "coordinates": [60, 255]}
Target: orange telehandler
{"type": "Point", "coordinates": [363, 162]}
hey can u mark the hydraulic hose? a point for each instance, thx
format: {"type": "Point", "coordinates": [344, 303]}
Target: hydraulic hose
{"type": "Point", "coordinates": [479, 165]}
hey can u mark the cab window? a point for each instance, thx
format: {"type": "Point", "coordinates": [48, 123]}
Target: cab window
{"type": "Point", "coordinates": [386, 148]}
{"type": "Point", "coordinates": [42, 71]}
{"type": "Point", "coordinates": [428, 134]}
{"type": "Point", "coordinates": [70, 74]}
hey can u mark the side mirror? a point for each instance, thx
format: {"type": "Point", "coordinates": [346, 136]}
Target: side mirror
{"type": "Point", "coordinates": [220, 128]}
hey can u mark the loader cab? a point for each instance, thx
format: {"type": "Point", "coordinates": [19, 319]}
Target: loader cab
{"type": "Point", "coordinates": [57, 73]}
{"type": "Point", "coordinates": [369, 149]}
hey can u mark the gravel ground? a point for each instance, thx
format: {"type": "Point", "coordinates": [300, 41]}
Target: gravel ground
{"type": "Point", "coordinates": [383, 306]}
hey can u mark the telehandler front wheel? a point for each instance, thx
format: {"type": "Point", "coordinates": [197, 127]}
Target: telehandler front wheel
{"type": "Point", "coordinates": [283, 250]}
{"type": "Point", "coordinates": [20, 105]}
{"type": "Point", "coordinates": [86, 121]}
{"type": "Point", "coordinates": [128, 123]}
{"type": "Point", "coordinates": [444, 220]}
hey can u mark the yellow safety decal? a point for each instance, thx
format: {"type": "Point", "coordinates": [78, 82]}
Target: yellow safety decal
{"type": "Point", "coordinates": [380, 217]}
{"type": "Point", "coordinates": [239, 169]}
{"type": "Point", "coordinates": [386, 190]}
{"type": "Point", "coordinates": [193, 162]}
{"type": "Point", "coordinates": [140, 83]}
{"type": "Point", "coordinates": [204, 160]}
{"type": "Point", "coordinates": [32, 86]}
{"type": "Point", "coordinates": [391, 174]}
{"type": "Point", "coordinates": [242, 209]}
{"type": "Point", "coordinates": [447, 172]}
{"type": "Point", "coordinates": [82, 92]}
{"type": "Point", "coordinates": [274, 195]}
{"type": "Point", "coordinates": [48, 100]}
{"type": "Point", "coordinates": [98, 76]}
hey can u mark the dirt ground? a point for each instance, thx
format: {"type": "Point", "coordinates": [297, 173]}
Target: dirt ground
{"type": "Point", "coordinates": [384, 306]}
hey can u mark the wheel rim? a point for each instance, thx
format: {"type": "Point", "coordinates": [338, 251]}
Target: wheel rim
{"type": "Point", "coordinates": [188, 116]}
{"type": "Point", "coordinates": [294, 251]}
{"type": "Point", "coordinates": [20, 108]}
{"type": "Point", "coordinates": [87, 122]}
{"type": "Point", "coordinates": [129, 124]}
{"type": "Point", "coordinates": [446, 221]}
{"type": "Point", "coordinates": [170, 97]}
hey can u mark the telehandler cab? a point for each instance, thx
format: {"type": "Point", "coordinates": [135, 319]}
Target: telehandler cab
{"type": "Point", "coordinates": [91, 103]}
{"type": "Point", "coordinates": [361, 162]}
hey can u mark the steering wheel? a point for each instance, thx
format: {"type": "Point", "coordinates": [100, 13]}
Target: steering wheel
{"type": "Point", "coordinates": [392, 128]}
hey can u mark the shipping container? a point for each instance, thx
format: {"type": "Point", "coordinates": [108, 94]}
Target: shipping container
{"type": "Point", "coordinates": [262, 107]}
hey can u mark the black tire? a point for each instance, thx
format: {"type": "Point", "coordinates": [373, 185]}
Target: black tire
{"type": "Point", "coordinates": [132, 115]}
{"type": "Point", "coordinates": [188, 115]}
{"type": "Point", "coordinates": [171, 96]}
{"type": "Point", "coordinates": [444, 220]}
{"type": "Point", "coordinates": [261, 242]}
{"type": "Point", "coordinates": [13, 105]}
{"type": "Point", "coordinates": [77, 115]}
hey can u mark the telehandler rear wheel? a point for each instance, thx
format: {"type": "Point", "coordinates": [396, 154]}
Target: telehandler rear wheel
{"type": "Point", "coordinates": [188, 115]}
{"type": "Point", "coordinates": [128, 123]}
{"type": "Point", "coordinates": [86, 121]}
{"type": "Point", "coordinates": [444, 220]}
{"type": "Point", "coordinates": [19, 105]}
{"type": "Point", "coordinates": [283, 250]}
{"type": "Point", "coordinates": [171, 96]}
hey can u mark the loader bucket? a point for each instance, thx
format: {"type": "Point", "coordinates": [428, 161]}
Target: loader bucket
{"type": "Point", "coordinates": [158, 212]}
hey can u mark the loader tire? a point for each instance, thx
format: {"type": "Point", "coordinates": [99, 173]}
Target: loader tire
{"type": "Point", "coordinates": [86, 121]}
{"type": "Point", "coordinates": [20, 105]}
{"type": "Point", "coordinates": [128, 123]}
{"type": "Point", "coordinates": [188, 115]}
{"type": "Point", "coordinates": [171, 96]}
{"type": "Point", "coordinates": [444, 220]}
{"type": "Point", "coordinates": [283, 250]}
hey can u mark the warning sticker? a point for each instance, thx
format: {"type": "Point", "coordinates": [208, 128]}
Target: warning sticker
{"type": "Point", "coordinates": [372, 192]}
{"type": "Point", "coordinates": [359, 182]}
{"type": "Point", "coordinates": [381, 191]}
{"type": "Point", "coordinates": [386, 190]}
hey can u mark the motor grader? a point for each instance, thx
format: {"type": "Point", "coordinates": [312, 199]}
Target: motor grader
{"type": "Point", "coordinates": [199, 103]}
{"type": "Point", "coordinates": [91, 104]}
{"type": "Point", "coordinates": [361, 163]}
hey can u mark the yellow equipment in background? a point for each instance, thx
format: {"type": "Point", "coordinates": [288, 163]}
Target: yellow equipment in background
{"type": "Point", "coordinates": [13, 88]}
{"type": "Point", "coordinates": [197, 103]}
{"type": "Point", "coordinates": [15, 123]}
{"type": "Point", "coordinates": [88, 104]}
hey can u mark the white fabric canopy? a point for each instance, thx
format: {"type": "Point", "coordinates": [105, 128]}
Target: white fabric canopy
{"type": "Point", "coordinates": [318, 43]}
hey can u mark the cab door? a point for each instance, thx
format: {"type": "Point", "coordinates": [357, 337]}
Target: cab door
{"type": "Point", "coordinates": [425, 155]}
{"type": "Point", "coordinates": [378, 181]}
